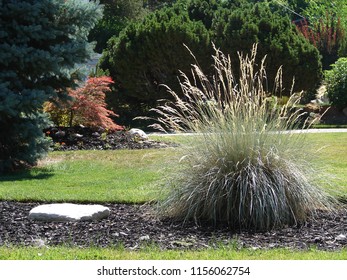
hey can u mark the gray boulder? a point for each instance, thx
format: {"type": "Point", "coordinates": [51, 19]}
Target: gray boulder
{"type": "Point", "coordinates": [68, 212]}
{"type": "Point", "coordinates": [138, 133]}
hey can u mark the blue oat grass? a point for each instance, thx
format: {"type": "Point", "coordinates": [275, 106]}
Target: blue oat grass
{"type": "Point", "coordinates": [245, 167]}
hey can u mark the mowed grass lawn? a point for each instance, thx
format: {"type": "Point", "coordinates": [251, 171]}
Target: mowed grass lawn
{"type": "Point", "coordinates": [136, 176]}
{"type": "Point", "coordinates": [333, 160]}
{"type": "Point", "coordinates": [125, 176]}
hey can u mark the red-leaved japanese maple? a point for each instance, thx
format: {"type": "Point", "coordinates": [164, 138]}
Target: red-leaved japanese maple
{"type": "Point", "coordinates": [87, 107]}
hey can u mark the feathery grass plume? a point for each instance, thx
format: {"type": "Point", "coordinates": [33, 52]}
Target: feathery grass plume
{"type": "Point", "coordinates": [245, 167]}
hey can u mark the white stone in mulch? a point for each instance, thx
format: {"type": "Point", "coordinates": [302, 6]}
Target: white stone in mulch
{"type": "Point", "coordinates": [341, 237]}
{"type": "Point", "coordinates": [135, 132]}
{"type": "Point", "coordinates": [68, 212]}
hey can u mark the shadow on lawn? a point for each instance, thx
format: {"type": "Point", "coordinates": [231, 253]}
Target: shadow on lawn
{"type": "Point", "coordinates": [28, 174]}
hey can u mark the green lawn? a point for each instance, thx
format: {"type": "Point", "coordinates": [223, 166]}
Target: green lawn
{"type": "Point", "coordinates": [135, 176]}
{"type": "Point", "coordinates": [130, 176]}
{"type": "Point", "coordinates": [332, 160]}
{"type": "Point", "coordinates": [155, 253]}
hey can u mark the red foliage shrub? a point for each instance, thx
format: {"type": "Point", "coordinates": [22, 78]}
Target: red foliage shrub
{"type": "Point", "coordinates": [327, 36]}
{"type": "Point", "coordinates": [88, 106]}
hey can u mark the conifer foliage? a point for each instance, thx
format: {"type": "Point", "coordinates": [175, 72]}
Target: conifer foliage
{"type": "Point", "coordinates": [40, 44]}
{"type": "Point", "coordinates": [155, 49]}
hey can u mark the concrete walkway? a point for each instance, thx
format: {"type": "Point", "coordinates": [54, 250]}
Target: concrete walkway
{"type": "Point", "coordinates": [313, 130]}
{"type": "Point", "coordinates": [323, 130]}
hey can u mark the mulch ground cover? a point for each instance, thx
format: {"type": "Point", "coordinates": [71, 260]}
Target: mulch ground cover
{"type": "Point", "coordinates": [134, 226]}
{"type": "Point", "coordinates": [85, 138]}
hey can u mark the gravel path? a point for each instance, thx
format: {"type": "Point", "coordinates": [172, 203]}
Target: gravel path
{"type": "Point", "coordinates": [135, 226]}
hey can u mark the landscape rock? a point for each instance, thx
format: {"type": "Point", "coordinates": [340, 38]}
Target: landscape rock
{"type": "Point", "coordinates": [341, 237]}
{"type": "Point", "coordinates": [144, 237]}
{"type": "Point", "coordinates": [138, 133]}
{"type": "Point", "coordinates": [68, 212]}
{"type": "Point", "coordinates": [78, 135]}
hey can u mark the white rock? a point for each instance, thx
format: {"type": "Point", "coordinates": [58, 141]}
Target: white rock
{"type": "Point", "coordinates": [39, 243]}
{"type": "Point", "coordinates": [135, 132]}
{"type": "Point", "coordinates": [145, 237]}
{"type": "Point", "coordinates": [341, 237]}
{"type": "Point", "coordinates": [78, 135]}
{"type": "Point", "coordinates": [68, 212]}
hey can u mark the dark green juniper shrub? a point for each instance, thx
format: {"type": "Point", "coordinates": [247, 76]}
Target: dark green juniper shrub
{"type": "Point", "coordinates": [148, 54]}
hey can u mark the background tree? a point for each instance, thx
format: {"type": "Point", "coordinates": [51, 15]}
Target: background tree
{"type": "Point", "coordinates": [315, 10]}
{"type": "Point", "coordinates": [322, 22]}
{"type": "Point", "coordinates": [263, 23]}
{"type": "Point", "coordinates": [117, 15]}
{"type": "Point", "coordinates": [150, 53]}
{"type": "Point", "coordinates": [157, 4]}
{"type": "Point", "coordinates": [40, 44]}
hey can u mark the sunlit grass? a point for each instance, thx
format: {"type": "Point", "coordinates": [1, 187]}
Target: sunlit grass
{"type": "Point", "coordinates": [332, 160]}
{"type": "Point", "coordinates": [137, 176]}
{"type": "Point", "coordinates": [130, 176]}
{"type": "Point", "coordinates": [226, 252]}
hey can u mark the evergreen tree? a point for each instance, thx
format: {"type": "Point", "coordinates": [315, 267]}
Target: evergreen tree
{"type": "Point", "coordinates": [117, 15]}
{"type": "Point", "coordinates": [238, 29]}
{"type": "Point", "coordinates": [151, 52]}
{"type": "Point", "coordinates": [157, 4]}
{"type": "Point", "coordinates": [120, 13]}
{"type": "Point", "coordinates": [40, 44]}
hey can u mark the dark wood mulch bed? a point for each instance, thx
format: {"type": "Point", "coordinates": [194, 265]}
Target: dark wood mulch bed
{"type": "Point", "coordinates": [85, 138]}
{"type": "Point", "coordinates": [134, 226]}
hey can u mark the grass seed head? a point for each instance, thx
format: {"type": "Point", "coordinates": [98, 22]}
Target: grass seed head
{"type": "Point", "coordinates": [244, 167]}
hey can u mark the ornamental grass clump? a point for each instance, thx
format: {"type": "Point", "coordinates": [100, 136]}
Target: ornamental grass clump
{"type": "Point", "coordinates": [245, 166]}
